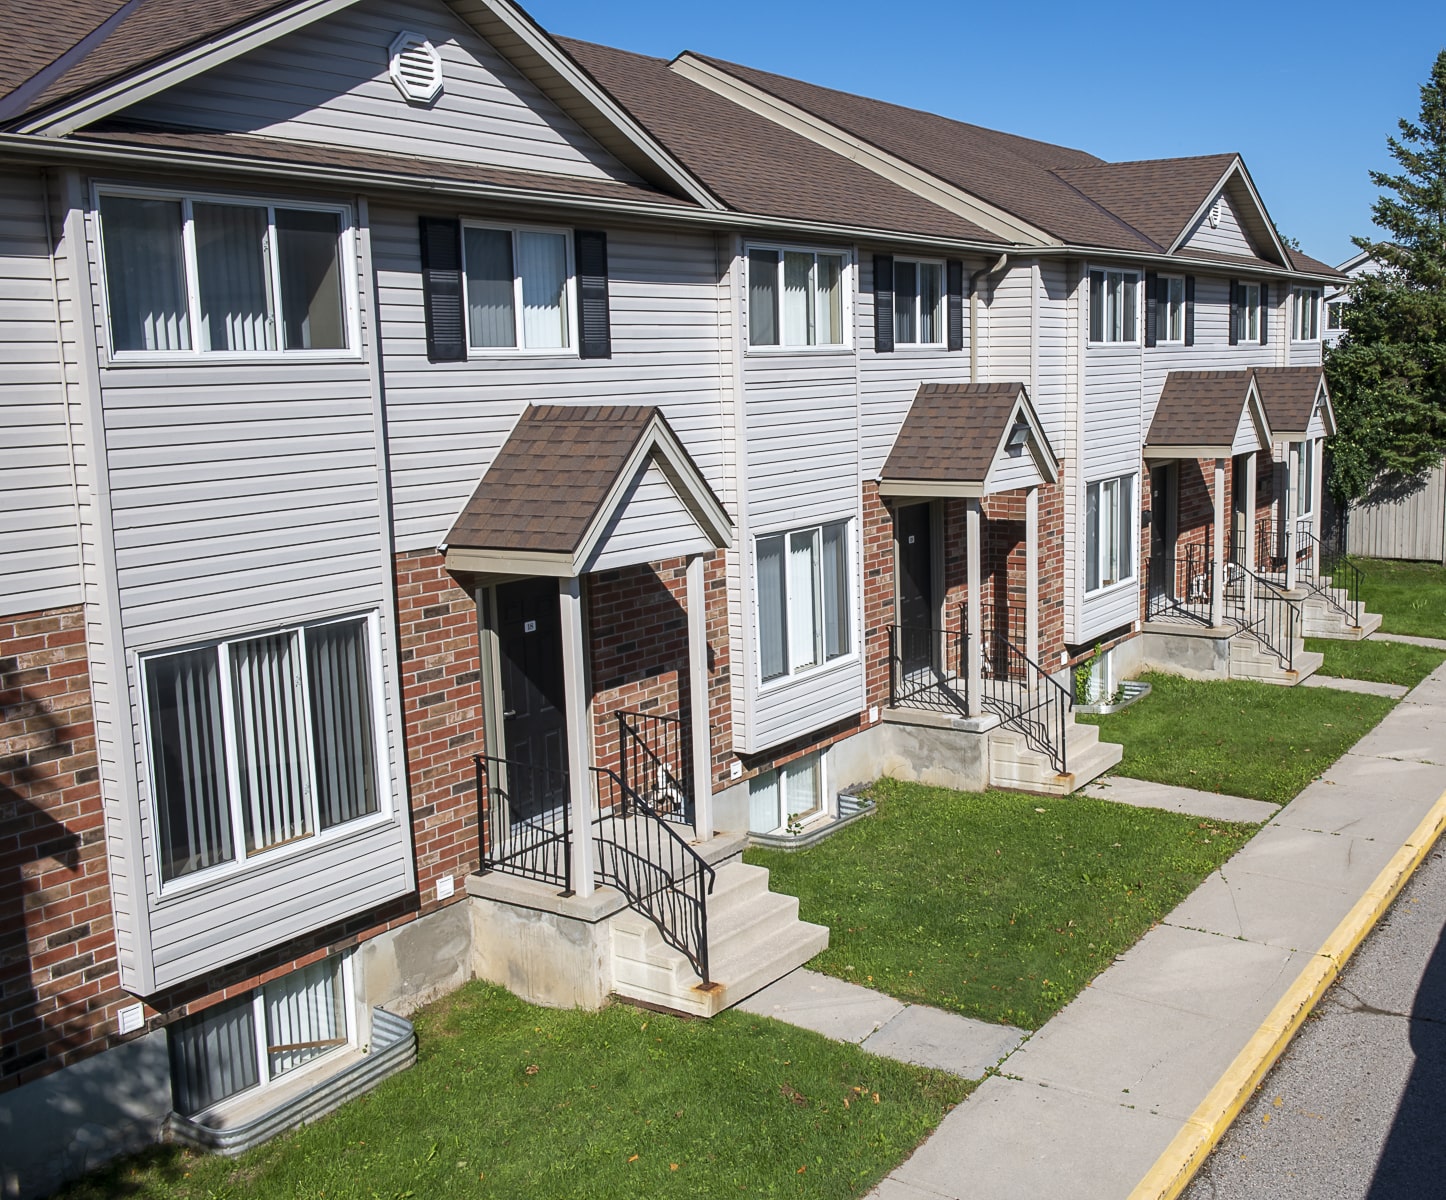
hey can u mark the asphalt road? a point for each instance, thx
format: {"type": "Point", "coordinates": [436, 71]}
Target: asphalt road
{"type": "Point", "coordinates": [1356, 1107]}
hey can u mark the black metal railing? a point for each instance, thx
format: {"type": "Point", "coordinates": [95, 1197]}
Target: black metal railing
{"type": "Point", "coordinates": [1334, 575]}
{"type": "Point", "coordinates": [659, 874]}
{"type": "Point", "coordinates": [1259, 608]}
{"type": "Point", "coordinates": [1271, 552]}
{"type": "Point", "coordinates": [653, 762]}
{"type": "Point", "coordinates": [926, 667]}
{"type": "Point", "coordinates": [1179, 585]}
{"type": "Point", "coordinates": [524, 820]}
{"type": "Point", "coordinates": [1025, 698]}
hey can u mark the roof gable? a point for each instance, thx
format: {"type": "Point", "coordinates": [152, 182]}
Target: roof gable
{"type": "Point", "coordinates": [1297, 402]}
{"type": "Point", "coordinates": [1232, 220]}
{"type": "Point", "coordinates": [1208, 414]}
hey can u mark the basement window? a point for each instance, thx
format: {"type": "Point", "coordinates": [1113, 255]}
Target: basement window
{"type": "Point", "coordinates": [786, 797]}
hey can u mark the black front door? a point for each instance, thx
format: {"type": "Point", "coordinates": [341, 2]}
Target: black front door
{"type": "Point", "coordinates": [917, 641]}
{"type": "Point", "coordinates": [534, 721]}
{"type": "Point", "coordinates": [1163, 498]}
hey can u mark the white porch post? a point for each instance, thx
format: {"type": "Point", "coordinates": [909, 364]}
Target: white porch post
{"type": "Point", "coordinates": [698, 700]}
{"type": "Point", "coordinates": [975, 659]}
{"type": "Point", "coordinates": [1031, 573]}
{"type": "Point", "coordinates": [1316, 495]}
{"type": "Point", "coordinates": [1292, 482]}
{"type": "Point", "coordinates": [1217, 568]}
{"type": "Point", "coordinates": [1248, 552]}
{"type": "Point", "coordinates": [579, 733]}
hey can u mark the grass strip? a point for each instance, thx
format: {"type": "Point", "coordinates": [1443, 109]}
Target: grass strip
{"type": "Point", "coordinates": [1378, 662]}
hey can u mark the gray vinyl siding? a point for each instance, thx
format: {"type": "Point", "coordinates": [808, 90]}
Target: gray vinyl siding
{"type": "Point", "coordinates": [39, 535]}
{"type": "Point", "coordinates": [652, 523]}
{"type": "Point", "coordinates": [446, 421]}
{"type": "Point", "coordinates": [1226, 238]}
{"type": "Point", "coordinates": [1053, 389]}
{"type": "Point", "coordinates": [1009, 303]}
{"type": "Point", "coordinates": [328, 83]}
{"type": "Point", "coordinates": [244, 496]}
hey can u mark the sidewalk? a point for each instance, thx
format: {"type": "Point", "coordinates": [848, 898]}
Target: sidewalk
{"type": "Point", "coordinates": [1087, 1107]}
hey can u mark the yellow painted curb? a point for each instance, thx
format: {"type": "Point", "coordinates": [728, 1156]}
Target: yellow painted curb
{"type": "Point", "coordinates": [1174, 1169]}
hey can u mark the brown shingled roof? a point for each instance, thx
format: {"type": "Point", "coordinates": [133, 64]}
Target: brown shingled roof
{"type": "Point", "coordinates": [952, 433]}
{"type": "Point", "coordinates": [1288, 394]}
{"type": "Point", "coordinates": [1156, 196]}
{"type": "Point", "coordinates": [1199, 408]}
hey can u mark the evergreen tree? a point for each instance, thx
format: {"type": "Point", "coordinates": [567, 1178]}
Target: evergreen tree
{"type": "Point", "coordinates": [1388, 374]}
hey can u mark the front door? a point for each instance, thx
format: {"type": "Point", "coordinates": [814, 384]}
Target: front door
{"type": "Point", "coordinates": [534, 721]}
{"type": "Point", "coordinates": [1163, 499]}
{"type": "Point", "coordinates": [914, 531]}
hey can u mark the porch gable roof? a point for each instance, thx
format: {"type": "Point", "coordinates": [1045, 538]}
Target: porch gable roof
{"type": "Point", "coordinates": [968, 439]}
{"type": "Point", "coordinates": [1297, 402]}
{"type": "Point", "coordinates": [583, 487]}
{"type": "Point", "coordinates": [1208, 414]}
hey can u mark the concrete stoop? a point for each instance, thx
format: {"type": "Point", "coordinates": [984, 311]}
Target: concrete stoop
{"type": "Point", "coordinates": [754, 939]}
{"type": "Point", "coordinates": [1015, 765]}
{"type": "Point", "coordinates": [1250, 660]}
{"type": "Point", "coordinates": [1321, 619]}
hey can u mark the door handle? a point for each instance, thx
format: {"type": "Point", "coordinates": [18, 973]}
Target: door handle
{"type": "Point", "coordinates": [508, 712]}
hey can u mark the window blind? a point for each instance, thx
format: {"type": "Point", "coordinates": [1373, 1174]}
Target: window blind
{"type": "Point", "coordinates": [267, 702]}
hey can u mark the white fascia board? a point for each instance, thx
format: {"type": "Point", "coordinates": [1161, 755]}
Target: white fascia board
{"type": "Point", "coordinates": [509, 562]}
{"type": "Point", "coordinates": [888, 166]}
{"type": "Point", "coordinates": [931, 489]}
{"type": "Point", "coordinates": [1166, 453]}
{"type": "Point", "coordinates": [112, 97]}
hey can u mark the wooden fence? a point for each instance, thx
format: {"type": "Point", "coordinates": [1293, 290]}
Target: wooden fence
{"type": "Point", "coordinates": [1401, 519]}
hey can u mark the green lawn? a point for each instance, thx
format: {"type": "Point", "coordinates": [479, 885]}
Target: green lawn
{"type": "Point", "coordinates": [1237, 737]}
{"type": "Point", "coordinates": [1410, 596]}
{"type": "Point", "coordinates": [1380, 662]}
{"type": "Point", "coordinates": [510, 1100]}
{"type": "Point", "coordinates": [994, 904]}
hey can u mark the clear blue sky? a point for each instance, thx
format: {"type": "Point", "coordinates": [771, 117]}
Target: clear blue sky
{"type": "Point", "coordinates": [1305, 92]}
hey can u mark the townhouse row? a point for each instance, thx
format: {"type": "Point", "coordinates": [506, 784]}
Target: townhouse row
{"type": "Point", "coordinates": [461, 483]}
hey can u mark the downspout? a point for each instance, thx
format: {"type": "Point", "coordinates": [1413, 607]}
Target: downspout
{"type": "Point", "coordinates": [974, 278]}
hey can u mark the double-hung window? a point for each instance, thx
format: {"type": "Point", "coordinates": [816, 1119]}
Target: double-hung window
{"type": "Point", "coordinates": [1306, 305]}
{"type": "Point", "coordinates": [211, 275]}
{"type": "Point", "coordinates": [1247, 312]}
{"type": "Point", "coordinates": [789, 795]}
{"type": "Point", "coordinates": [255, 1039]}
{"type": "Point", "coordinates": [261, 742]}
{"type": "Point", "coordinates": [1109, 532]}
{"type": "Point", "coordinates": [1114, 306]}
{"type": "Point", "coordinates": [803, 599]}
{"type": "Point", "coordinates": [1335, 314]}
{"type": "Point", "coordinates": [1170, 309]}
{"type": "Point", "coordinates": [918, 303]}
{"type": "Point", "coordinates": [1304, 453]}
{"type": "Point", "coordinates": [518, 288]}
{"type": "Point", "coordinates": [795, 297]}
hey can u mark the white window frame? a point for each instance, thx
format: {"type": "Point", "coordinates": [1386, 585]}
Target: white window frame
{"type": "Point", "coordinates": [319, 838]}
{"type": "Point", "coordinates": [1135, 278]}
{"type": "Point", "coordinates": [1304, 479]}
{"type": "Point", "coordinates": [943, 322]}
{"type": "Point", "coordinates": [568, 350]}
{"type": "Point", "coordinates": [1163, 310]}
{"type": "Point", "coordinates": [266, 1081]}
{"type": "Point", "coordinates": [846, 265]}
{"type": "Point", "coordinates": [1252, 313]}
{"type": "Point", "coordinates": [1132, 565]}
{"type": "Point", "coordinates": [848, 619]}
{"type": "Point", "coordinates": [1334, 312]}
{"type": "Point", "coordinates": [346, 248]}
{"type": "Point", "coordinates": [819, 760]}
{"type": "Point", "coordinates": [1305, 301]}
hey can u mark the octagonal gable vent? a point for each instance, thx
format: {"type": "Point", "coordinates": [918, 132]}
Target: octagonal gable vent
{"type": "Point", "coordinates": [416, 67]}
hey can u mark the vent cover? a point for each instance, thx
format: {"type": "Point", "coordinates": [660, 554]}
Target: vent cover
{"type": "Point", "coordinates": [1215, 210]}
{"type": "Point", "coordinates": [416, 67]}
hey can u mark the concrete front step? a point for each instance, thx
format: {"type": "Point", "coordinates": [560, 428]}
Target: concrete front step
{"type": "Point", "coordinates": [1250, 660]}
{"type": "Point", "coordinates": [1322, 620]}
{"type": "Point", "coordinates": [1016, 765]}
{"type": "Point", "coordinates": [754, 938]}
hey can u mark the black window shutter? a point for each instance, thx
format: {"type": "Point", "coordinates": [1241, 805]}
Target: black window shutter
{"type": "Point", "coordinates": [1097, 306]}
{"type": "Point", "coordinates": [442, 289]}
{"type": "Point", "coordinates": [954, 269]}
{"type": "Point", "coordinates": [590, 249]}
{"type": "Point", "coordinates": [1152, 313]}
{"type": "Point", "coordinates": [1234, 314]}
{"type": "Point", "coordinates": [1189, 310]}
{"type": "Point", "coordinates": [883, 303]}
{"type": "Point", "coordinates": [1264, 313]}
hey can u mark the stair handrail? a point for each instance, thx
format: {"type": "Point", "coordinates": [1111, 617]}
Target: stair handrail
{"type": "Point", "coordinates": [666, 770]}
{"type": "Point", "coordinates": [658, 873]}
{"type": "Point", "coordinates": [1338, 565]}
{"type": "Point", "coordinates": [1042, 717]}
{"type": "Point", "coordinates": [1260, 608]}
{"type": "Point", "coordinates": [940, 688]}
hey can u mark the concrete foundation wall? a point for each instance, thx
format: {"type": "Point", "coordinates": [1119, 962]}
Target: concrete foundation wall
{"type": "Point", "coordinates": [416, 963]}
{"type": "Point", "coordinates": [547, 958]}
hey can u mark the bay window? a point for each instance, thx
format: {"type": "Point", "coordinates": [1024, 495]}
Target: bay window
{"type": "Point", "coordinates": [1109, 532]}
{"type": "Point", "coordinates": [1114, 306]}
{"type": "Point", "coordinates": [795, 297]}
{"type": "Point", "coordinates": [1306, 305]}
{"type": "Point", "coordinates": [261, 742]}
{"type": "Point", "coordinates": [787, 796]}
{"type": "Point", "coordinates": [258, 1038]}
{"type": "Point", "coordinates": [518, 284]}
{"type": "Point", "coordinates": [918, 303]}
{"type": "Point", "coordinates": [803, 599]}
{"type": "Point", "coordinates": [212, 275]}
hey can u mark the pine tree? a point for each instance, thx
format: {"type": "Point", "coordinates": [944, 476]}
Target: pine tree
{"type": "Point", "coordinates": [1388, 374]}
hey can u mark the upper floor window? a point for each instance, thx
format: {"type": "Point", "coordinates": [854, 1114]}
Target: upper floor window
{"type": "Point", "coordinates": [1109, 532]}
{"type": "Point", "coordinates": [795, 297]}
{"type": "Point", "coordinates": [1306, 305]}
{"type": "Point", "coordinates": [1304, 455]}
{"type": "Point", "coordinates": [1170, 310]}
{"type": "Point", "coordinates": [1248, 313]}
{"type": "Point", "coordinates": [189, 274]}
{"type": "Point", "coordinates": [918, 303]}
{"type": "Point", "coordinates": [803, 599]}
{"type": "Point", "coordinates": [518, 286]}
{"type": "Point", "coordinates": [1114, 306]}
{"type": "Point", "coordinates": [1335, 314]}
{"type": "Point", "coordinates": [261, 742]}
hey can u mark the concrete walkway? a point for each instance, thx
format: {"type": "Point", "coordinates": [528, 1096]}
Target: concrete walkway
{"type": "Point", "coordinates": [1432, 643]}
{"type": "Point", "coordinates": [913, 1033]}
{"type": "Point", "coordinates": [1366, 687]}
{"type": "Point", "coordinates": [1085, 1108]}
{"type": "Point", "coordinates": [1143, 794]}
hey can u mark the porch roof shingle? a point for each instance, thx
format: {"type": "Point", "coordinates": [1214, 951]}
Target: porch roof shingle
{"type": "Point", "coordinates": [1200, 408]}
{"type": "Point", "coordinates": [1289, 395]}
{"type": "Point", "coordinates": [952, 433]}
